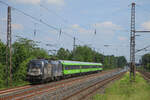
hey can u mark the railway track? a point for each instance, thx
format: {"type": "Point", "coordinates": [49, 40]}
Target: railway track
{"type": "Point", "coordinates": [145, 74]}
{"type": "Point", "coordinates": [85, 93]}
{"type": "Point", "coordinates": [14, 89]}
{"type": "Point", "coordinates": [79, 90]}
{"type": "Point", "coordinates": [53, 89]}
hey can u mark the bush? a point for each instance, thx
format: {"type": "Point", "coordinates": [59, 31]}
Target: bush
{"type": "Point", "coordinates": [20, 75]}
{"type": "Point", "coordinates": [2, 75]}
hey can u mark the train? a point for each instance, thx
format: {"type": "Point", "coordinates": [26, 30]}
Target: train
{"type": "Point", "coordinates": [42, 70]}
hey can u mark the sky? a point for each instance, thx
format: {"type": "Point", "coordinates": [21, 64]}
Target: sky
{"type": "Point", "coordinates": [79, 19]}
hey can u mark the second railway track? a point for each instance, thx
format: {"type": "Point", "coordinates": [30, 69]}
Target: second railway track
{"type": "Point", "coordinates": [85, 93]}
{"type": "Point", "coordinates": [145, 74]}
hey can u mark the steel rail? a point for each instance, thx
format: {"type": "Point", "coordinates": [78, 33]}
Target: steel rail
{"type": "Point", "coordinates": [99, 84]}
{"type": "Point", "coordinates": [146, 75]}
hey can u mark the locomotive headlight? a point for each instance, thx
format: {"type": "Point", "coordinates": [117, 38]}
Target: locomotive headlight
{"type": "Point", "coordinates": [35, 71]}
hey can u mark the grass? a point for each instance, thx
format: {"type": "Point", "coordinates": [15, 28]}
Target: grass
{"type": "Point", "coordinates": [124, 90]}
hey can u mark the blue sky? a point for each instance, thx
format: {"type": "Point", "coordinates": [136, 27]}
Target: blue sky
{"type": "Point", "coordinates": [79, 18]}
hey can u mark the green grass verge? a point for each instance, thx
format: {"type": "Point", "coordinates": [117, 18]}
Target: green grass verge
{"type": "Point", "coordinates": [124, 90]}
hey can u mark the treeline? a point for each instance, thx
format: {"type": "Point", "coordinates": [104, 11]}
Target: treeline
{"type": "Point", "coordinates": [87, 54]}
{"type": "Point", "coordinates": [23, 50]}
{"type": "Point", "coordinates": [145, 61]}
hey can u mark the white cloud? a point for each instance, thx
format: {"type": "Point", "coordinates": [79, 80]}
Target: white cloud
{"type": "Point", "coordinates": [79, 29]}
{"type": "Point", "coordinates": [75, 26]}
{"type": "Point", "coordinates": [105, 31]}
{"type": "Point", "coordinates": [3, 19]}
{"type": "Point", "coordinates": [104, 28]}
{"type": "Point", "coordinates": [56, 2]}
{"type": "Point", "coordinates": [146, 25]}
{"type": "Point", "coordinates": [17, 26]}
{"type": "Point", "coordinates": [107, 25]}
{"type": "Point", "coordinates": [122, 38]}
{"type": "Point", "coordinates": [27, 1]}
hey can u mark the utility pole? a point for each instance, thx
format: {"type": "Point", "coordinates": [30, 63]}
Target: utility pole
{"type": "Point", "coordinates": [8, 47]}
{"type": "Point", "coordinates": [74, 46]}
{"type": "Point", "coordinates": [132, 43]}
{"type": "Point", "coordinates": [95, 55]}
{"type": "Point", "coordinates": [74, 43]}
{"type": "Point", "coordinates": [103, 57]}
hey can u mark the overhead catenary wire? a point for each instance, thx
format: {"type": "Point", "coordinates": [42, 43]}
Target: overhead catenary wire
{"type": "Point", "coordinates": [43, 22]}
{"type": "Point", "coordinates": [66, 21]}
{"type": "Point", "coordinates": [42, 6]}
{"type": "Point", "coordinates": [36, 19]}
{"type": "Point", "coordinates": [63, 19]}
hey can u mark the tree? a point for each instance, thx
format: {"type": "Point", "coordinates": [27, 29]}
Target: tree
{"type": "Point", "coordinates": [63, 54]}
{"type": "Point", "coordinates": [87, 54]}
{"type": "Point", "coordinates": [83, 53]}
{"type": "Point", "coordinates": [2, 64]}
{"type": "Point", "coordinates": [24, 49]}
{"type": "Point", "coordinates": [121, 61]}
{"type": "Point", "coordinates": [2, 53]}
{"type": "Point", "coordinates": [146, 61]}
{"type": "Point", "coordinates": [20, 74]}
{"type": "Point", "coordinates": [40, 53]}
{"type": "Point", "coordinates": [2, 75]}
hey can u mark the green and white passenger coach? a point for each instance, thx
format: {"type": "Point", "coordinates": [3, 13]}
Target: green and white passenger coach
{"type": "Point", "coordinates": [45, 70]}
{"type": "Point", "coordinates": [73, 67]}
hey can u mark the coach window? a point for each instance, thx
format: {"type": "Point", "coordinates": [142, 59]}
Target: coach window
{"type": "Point", "coordinates": [67, 67]}
{"type": "Point", "coordinates": [78, 66]}
{"type": "Point", "coordinates": [84, 67]}
{"type": "Point", "coordinates": [71, 67]}
{"type": "Point", "coordinates": [74, 67]}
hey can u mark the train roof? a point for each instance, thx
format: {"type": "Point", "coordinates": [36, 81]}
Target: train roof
{"type": "Point", "coordinates": [66, 62]}
{"type": "Point", "coordinates": [38, 60]}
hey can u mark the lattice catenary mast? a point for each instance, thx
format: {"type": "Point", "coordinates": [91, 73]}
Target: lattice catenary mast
{"type": "Point", "coordinates": [132, 43]}
{"type": "Point", "coordinates": [8, 47]}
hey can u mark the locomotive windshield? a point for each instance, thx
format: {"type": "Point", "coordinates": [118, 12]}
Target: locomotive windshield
{"type": "Point", "coordinates": [35, 64]}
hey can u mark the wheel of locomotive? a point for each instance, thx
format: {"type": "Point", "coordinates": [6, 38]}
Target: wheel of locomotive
{"type": "Point", "coordinates": [57, 78]}
{"type": "Point", "coordinates": [42, 81]}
